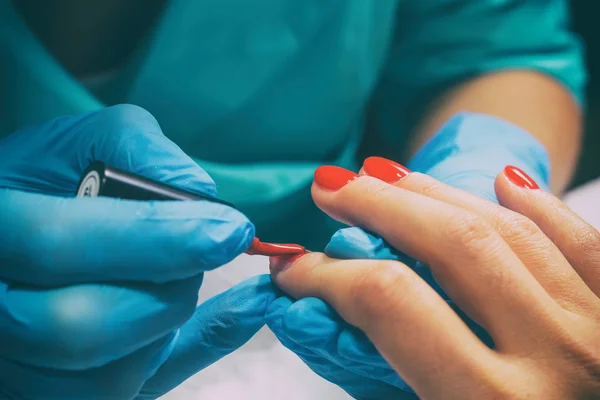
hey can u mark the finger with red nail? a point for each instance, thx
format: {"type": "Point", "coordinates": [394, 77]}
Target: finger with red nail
{"type": "Point", "coordinates": [526, 271]}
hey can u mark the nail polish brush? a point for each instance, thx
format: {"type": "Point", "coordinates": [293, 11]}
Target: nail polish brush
{"type": "Point", "coordinates": [102, 180]}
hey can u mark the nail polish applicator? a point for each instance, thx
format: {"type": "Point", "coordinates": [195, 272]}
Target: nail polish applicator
{"type": "Point", "coordinates": [102, 180]}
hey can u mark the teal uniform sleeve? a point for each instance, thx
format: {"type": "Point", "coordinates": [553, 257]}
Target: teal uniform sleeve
{"type": "Point", "coordinates": [441, 42]}
{"type": "Point", "coordinates": [449, 40]}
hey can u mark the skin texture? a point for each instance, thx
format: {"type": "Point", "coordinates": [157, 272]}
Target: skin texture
{"type": "Point", "coordinates": [534, 101]}
{"type": "Point", "coordinates": [526, 271]}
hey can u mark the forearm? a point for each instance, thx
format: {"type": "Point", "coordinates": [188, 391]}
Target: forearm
{"type": "Point", "coordinates": [534, 101]}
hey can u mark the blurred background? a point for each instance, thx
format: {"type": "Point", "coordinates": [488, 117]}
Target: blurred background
{"type": "Point", "coordinates": [585, 23]}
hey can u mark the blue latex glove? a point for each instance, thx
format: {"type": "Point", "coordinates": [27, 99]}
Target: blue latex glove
{"type": "Point", "coordinates": [98, 296]}
{"type": "Point", "coordinates": [468, 153]}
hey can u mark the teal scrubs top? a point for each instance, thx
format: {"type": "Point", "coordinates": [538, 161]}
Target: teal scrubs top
{"type": "Point", "coordinates": [261, 92]}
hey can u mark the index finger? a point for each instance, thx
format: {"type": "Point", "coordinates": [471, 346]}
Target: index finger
{"type": "Point", "coordinates": [409, 323]}
{"type": "Point", "coordinates": [124, 136]}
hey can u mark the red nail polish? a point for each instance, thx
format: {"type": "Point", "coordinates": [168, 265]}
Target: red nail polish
{"type": "Point", "coordinates": [333, 178]}
{"type": "Point", "coordinates": [384, 169]}
{"type": "Point", "coordinates": [520, 178]}
{"type": "Point", "coordinates": [274, 249]}
{"type": "Point", "coordinates": [281, 263]}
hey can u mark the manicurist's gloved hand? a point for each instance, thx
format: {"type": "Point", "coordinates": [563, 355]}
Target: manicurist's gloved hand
{"type": "Point", "coordinates": [98, 296]}
{"type": "Point", "coordinates": [468, 153]}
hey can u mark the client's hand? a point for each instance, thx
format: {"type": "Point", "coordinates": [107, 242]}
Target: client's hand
{"type": "Point", "coordinates": [530, 277]}
{"type": "Point", "coordinates": [466, 153]}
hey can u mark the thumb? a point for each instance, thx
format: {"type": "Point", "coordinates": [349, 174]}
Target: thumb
{"type": "Point", "coordinates": [219, 326]}
{"type": "Point", "coordinates": [59, 241]}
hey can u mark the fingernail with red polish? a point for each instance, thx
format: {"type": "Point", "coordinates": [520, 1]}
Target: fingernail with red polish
{"type": "Point", "coordinates": [333, 178]}
{"type": "Point", "coordinates": [519, 177]}
{"type": "Point", "coordinates": [281, 263]}
{"type": "Point", "coordinates": [384, 169]}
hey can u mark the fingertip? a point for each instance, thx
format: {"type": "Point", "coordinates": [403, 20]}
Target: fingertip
{"type": "Point", "coordinates": [222, 234]}
{"type": "Point", "coordinates": [248, 233]}
{"type": "Point", "coordinates": [278, 264]}
{"type": "Point", "coordinates": [281, 266]}
{"type": "Point", "coordinates": [192, 236]}
{"type": "Point", "coordinates": [519, 178]}
{"type": "Point", "coordinates": [501, 185]}
{"type": "Point", "coordinates": [319, 195]}
{"type": "Point", "coordinates": [332, 178]}
{"type": "Point", "coordinates": [118, 129]}
{"type": "Point", "coordinates": [386, 170]}
{"type": "Point", "coordinates": [297, 277]}
{"type": "Point", "coordinates": [143, 149]}
{"type": "Point", "coordinates": [130, 114]}
{"type": "Point", "coordinates": [512, 184]}
{"type": "Point", "coordinates": [328, 180]}
{"type": "Point", "coordinates": [343, 205]}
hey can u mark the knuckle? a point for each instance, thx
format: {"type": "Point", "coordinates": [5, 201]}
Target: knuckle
{"type": "Point", "coordinates": [584, 234]}
{"type": "Point", "coordinates": [584, 239]}
{"type": "Point", "coordinates": [380, 288]}
{"type": "Point", "coordinates": [588, 240]}
{"type": "Point", "coordinates": [588, 361]}
{"type": "Point", "coordinates": [517, 228]}
{"type": "Point", "coordinates": [582, 351]}
{"type": "Point", "coordinates": [467, 231]}
{"type": "Point", "coordinates": [432, 188]}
